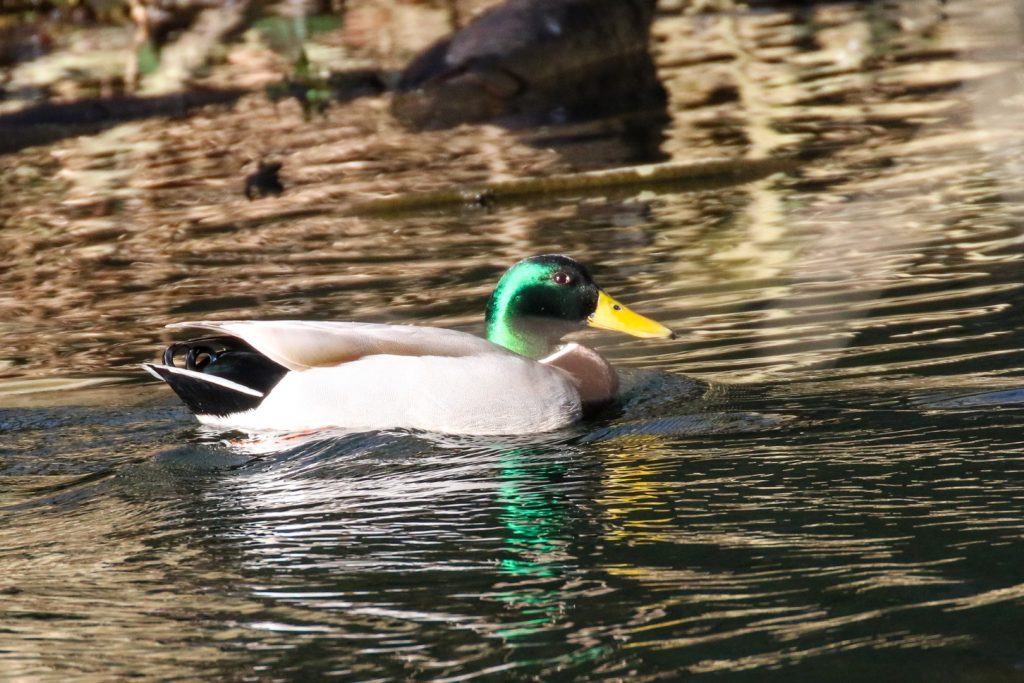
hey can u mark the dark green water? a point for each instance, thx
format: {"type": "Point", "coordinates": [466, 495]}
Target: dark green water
{"type": "Point", "coordinates": [822, 478]}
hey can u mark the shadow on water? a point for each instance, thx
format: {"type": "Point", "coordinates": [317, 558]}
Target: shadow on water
{"type": "Point", "coordinates": [49, 122]}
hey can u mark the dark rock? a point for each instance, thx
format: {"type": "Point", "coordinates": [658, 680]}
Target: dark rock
{"type": "Point", "coordinates": [528, 62]}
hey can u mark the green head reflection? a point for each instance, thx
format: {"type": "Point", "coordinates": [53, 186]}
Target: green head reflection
{"type": "Point", "coordinates": [533, 511]}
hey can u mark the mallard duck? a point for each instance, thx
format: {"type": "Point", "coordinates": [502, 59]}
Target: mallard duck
{"type": "Point", "coordinates": [296, 375]}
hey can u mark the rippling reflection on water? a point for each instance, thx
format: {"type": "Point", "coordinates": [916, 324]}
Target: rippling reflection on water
{"type": "Point", "coordinates": [735, 542]}
{"type": "Point", "coordinates": [821, 478]}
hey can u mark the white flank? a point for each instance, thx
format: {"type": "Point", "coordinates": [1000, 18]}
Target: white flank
{"type": "Point", "coordinates": [495, 395]}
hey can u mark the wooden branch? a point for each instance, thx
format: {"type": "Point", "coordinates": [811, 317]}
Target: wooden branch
{"type": "Point", "coordinates": [589, 182]}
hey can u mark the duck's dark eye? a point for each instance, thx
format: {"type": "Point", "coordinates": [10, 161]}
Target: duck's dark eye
{"type": "Point", "coordinates": [561, 278]}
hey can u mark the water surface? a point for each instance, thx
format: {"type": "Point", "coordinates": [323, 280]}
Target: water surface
{"type": "Point", "coordinates": [822, 477]}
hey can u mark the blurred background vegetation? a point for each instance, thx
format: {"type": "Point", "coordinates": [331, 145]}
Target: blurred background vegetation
{"type": "Point", "coordinates": [68, 48]}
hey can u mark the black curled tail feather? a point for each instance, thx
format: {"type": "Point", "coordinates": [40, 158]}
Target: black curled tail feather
{"type": "Point", "coordinates": [206, 394]}
{"type": "Point", "coordinates": [222, 375]}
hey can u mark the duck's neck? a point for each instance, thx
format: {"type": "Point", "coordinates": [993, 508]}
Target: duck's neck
{"type": "Point", "coordinates": [527, 337]}
{"type": "Point", "coordinates": [519, 340]}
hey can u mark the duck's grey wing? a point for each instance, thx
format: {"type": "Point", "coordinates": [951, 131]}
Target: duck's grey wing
{"type": "Point", "coordinates": [303, 344]}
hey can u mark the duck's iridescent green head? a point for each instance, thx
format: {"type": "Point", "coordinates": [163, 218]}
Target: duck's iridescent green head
{"type": "Point", "coordinates": [542, 298]}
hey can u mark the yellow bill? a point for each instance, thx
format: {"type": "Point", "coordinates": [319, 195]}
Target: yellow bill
{"type": "Point", "coordinates": [611, 315]}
